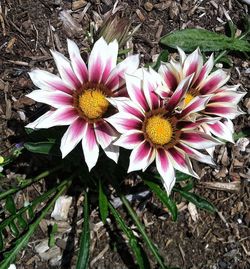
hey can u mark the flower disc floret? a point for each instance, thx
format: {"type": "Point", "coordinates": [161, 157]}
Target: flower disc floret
{"type": "Point", "coordinates": [159, 130]}
{"type": "Point", "coordinates": [188, 98]}
{"type": "Point", "coordinates": [93, 103]}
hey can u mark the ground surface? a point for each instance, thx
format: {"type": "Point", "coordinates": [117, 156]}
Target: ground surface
{"type": "Point", "coordinates": [29, 28]}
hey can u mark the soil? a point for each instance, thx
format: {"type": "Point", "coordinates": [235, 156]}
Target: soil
{"type": "Point", "coordinates": [28, 30]}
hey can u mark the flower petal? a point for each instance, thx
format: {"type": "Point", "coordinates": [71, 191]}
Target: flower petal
{"type": "Point", "coordinates": [198, 140]}
{"type": "Point", "coordinates": [135, 91]}
{"type": "Point", "coordinates": [49, 82]}
{"type": "Point", "coordinates": [223, 110]}
{"type": "Point", "coordinates": [33, 125]}
{"type": "Point", "coordinates": [65, 70]}
{"type": "Point", "coordinates": [220, 130]}
{"type": "Point", "coordinates": [72, 136]}
{"type": "Point", "coordinates": [214, 82]}
{"type": "Point", "coordinates": [61, 116]}
{"type": "Point", "coordinates": [140, 156]}
{"type": "Point", "coordinates": [193, 64]}
{"type": "Point", "coordinates": [179, 93]}
{"type": "Point", "coordinates": [195, 154]}
{"type": "Point", "coordinates": [105, 134]}
{"type": "Point", "coordinates": [129, 65]}
{"type": "Point", "coordinates": [112, 152]}
{"type": "Point", "coordinates": [130, 139]}
{"type": "Point", "coordinates": [98, 60]}
{"type": "Point", "coordinates": [77, 62]}
{"type": "Point", "coordinates": [232, 97]}
{"type": "Point", "coordinates": [53, 98]}
{"type": "Point", "coordinates": [165, 169]}
{"type": "Point", "coordinates": [90, 146]}
{"type": "Point", "coordinates": [181, 162]}
{"type": "Point", "coordinates": [169, 76]}
{"type": "Point", "coordinates": [123, 122]}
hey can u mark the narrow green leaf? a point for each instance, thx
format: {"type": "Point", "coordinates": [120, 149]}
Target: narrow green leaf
{"type": "Point", "coordinates": [181, 176]}
{"type": "Point", "coordinates": [83, 254]}
{"type": "Point", "coordinates": [103, 203]}
{"type": "Point", "coordinates": [9, 256]}
{"type": "Point", "coordinates": [197, 200]}
{"type": "Point", "coordinates": [52, 240]}
{"type": "Point", "coordinates": [190, 39]}
{"type": "Point", "coordinates": [163, 57]}
{"type": "Point", "coordinates": [241, 134]}
{"type": "Point", "coordinates": [48, 147]}
{"type": "Point", "coordinates": [1, 241]}
{"type": "Point", "coordinates": [31, 212]}
{"type": "Point", "coordinates": [164, 198]}
{"type": "Point", "coordinates": [13, 229]}
{"type": "Point", "coordinates": [10, 205]}
{"type": "Point", "coordinates": [140, 227]}
{"type": "Point", "coordinates": [140, 256]}
{"type": "Point", "coordinates": [22, 222]}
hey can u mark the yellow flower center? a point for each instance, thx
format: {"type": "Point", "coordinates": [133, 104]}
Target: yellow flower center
{"type": "Point", "coordinates": [159, 130]}
{"type": "Point", "coordinates": [189, 97]}
{"type": "Point", "coordinates": [93, 103]}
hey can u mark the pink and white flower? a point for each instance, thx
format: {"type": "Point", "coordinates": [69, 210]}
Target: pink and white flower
{"type": "Point", "coordinates": [154, 130]}
{"type": "Point", "coordinates": [223, 100]}
{"type": "Point", "coordinates": [78, 97]}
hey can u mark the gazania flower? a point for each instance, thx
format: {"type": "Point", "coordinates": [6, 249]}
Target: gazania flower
{"type": "Point", "coordinates": [154, 130]}
{"type": "Point", "coordinates": [224, 98]}
{"type": "Point", "coordinates": [79, 97]}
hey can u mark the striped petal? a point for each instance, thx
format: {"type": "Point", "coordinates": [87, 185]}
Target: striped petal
{"type": "Point", "coordinates": [33, 125]}
{"type": "Point", "coordinates": [181, 162]}
{"type": "Point", "coordinates": [198, 140]}
{"type": "Point", "coordinates": [90, 146]}
{"type": "Point", "coordinates": [65, 70]}
{"type": "Point", "coordinates": [232, 97]}
{"type": "Point", "coordinates": [61, 116]}
{"type": "Point", "coordinates": [223, 110]}
{"type": "Point", "coordinates": [129, 65]}
{"type": "Point", "coordinates": [165, 169]}
{"type": "Point", "coordinates": [53, 98]}
{"type": "Point", "coordinates": [214, 82]}
{"type": "Point", "coordinates": [140, 156]}
{"type": "Point", "coordinates": [220, 130]}
{"type": "Point", "coordinates": [72, 136]}
{"type": "Point", "coordinates": [105, 134]}
{"type": "Point", "coordinates": [77, 62]}
{"type": "Point", "coordinates": [130, 139]}
{"type": "Point", "coordinates": [49, 82]}
{"type": "Point", "coordinates": [169, 76]}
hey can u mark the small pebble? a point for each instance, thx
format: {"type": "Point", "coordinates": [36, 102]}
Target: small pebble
{"type": "Point", "coordinates": [148, 6]}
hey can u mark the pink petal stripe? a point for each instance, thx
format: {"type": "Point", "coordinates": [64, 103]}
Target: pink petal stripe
{"type": "Point", "coordinates": [129, 65]}
{"type": "Point", "coordinates": [124, 122]}
{"type": "Point", "coordinates": [77, 62]}
{"type": "Point", "coordinates": [130, 139]}
{"type": "Point", "coordinates": [47, 81]}
{"type": "Point", "coordinates": [52, 98]}
{"type": "Point", "coordinates": [72, 137]}
{"type": "Point", "coordinates": [139, 157]}
{"type": "Point", "coordinates": [90, 146]}
{"type": "Point", "coordinates": [61, 116]}
{"type": "Point", "coordinates": [179, 94]}
{"type": "Point", "coordinates": [205, 70]}
{"type": "Point", "coordinates": [165, 169]}
{"type": "Point", "coordinates": [198, 140]}
{"type": "Point", "coordinates": [195, 154]}
{"type": "Point", "coordinates": [214, 82]}
{"type": "Point", "coordinates": [105, 134]}
{"type": "Point", "coordinates": [168, 76]}
{"type": "Point", "coordinates": [136, 92]}
{"type": "Point", "coordinates": [220, 130]}
{"type": "Point", "coordinates": [196, 105]}
{"type": "Point", "coordinates": [181, 125]}
{"type": "Point", "coordinates": [193, 64]}
{"type": "Point", "coordinates": [65, 70]}
{"type": "Point", "coordinates": [223, 110]}
{"type": "Point", "coordinates": [227, 97]}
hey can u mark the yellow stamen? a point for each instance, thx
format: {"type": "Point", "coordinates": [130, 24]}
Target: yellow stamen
{"type": "Point", "coordinates": [189, 97]}
{"type": "Point", "coordinates": [93, 103]}
{"type": "Point", "coordinates": [159, 130]}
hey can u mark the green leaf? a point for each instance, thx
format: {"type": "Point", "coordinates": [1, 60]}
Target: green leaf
{"type": "Point", "coordinates": [140, 256]}
{"type": "Point", "coordinates": [164, 198]}
{"type": "Point", "coordinates": [52, 239]}
{"type": "Point", "coordinates": [241, 134]}
{"type": "Point", "coordinates": [197, 200]}
{"type": "Point", "coordinates": [1, 241]}
{"type": "Point", "coordinates": [163, 57]}
{"type": "Point", "coordinates": [21, 221]}
{"type": "Point", "coordinates": [10, 205]}
{"type": "Point", "coordinates": [103, 203]}
{"type": "Point", "coordinates": [190, 39]}
{"type": "Point", "coordinates": [10, 256]}
{"type": "Point", "coordinates": [42, 147]}
{"type": "Point", "coordinates": [13, 229]}
{"type": "Point", "coordinates": [83, 254]}
{"type": "Point", "coordinates": [182, 176]}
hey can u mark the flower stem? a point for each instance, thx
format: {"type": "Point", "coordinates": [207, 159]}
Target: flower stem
{"type": "Point", "coordinates": [142, 231]}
